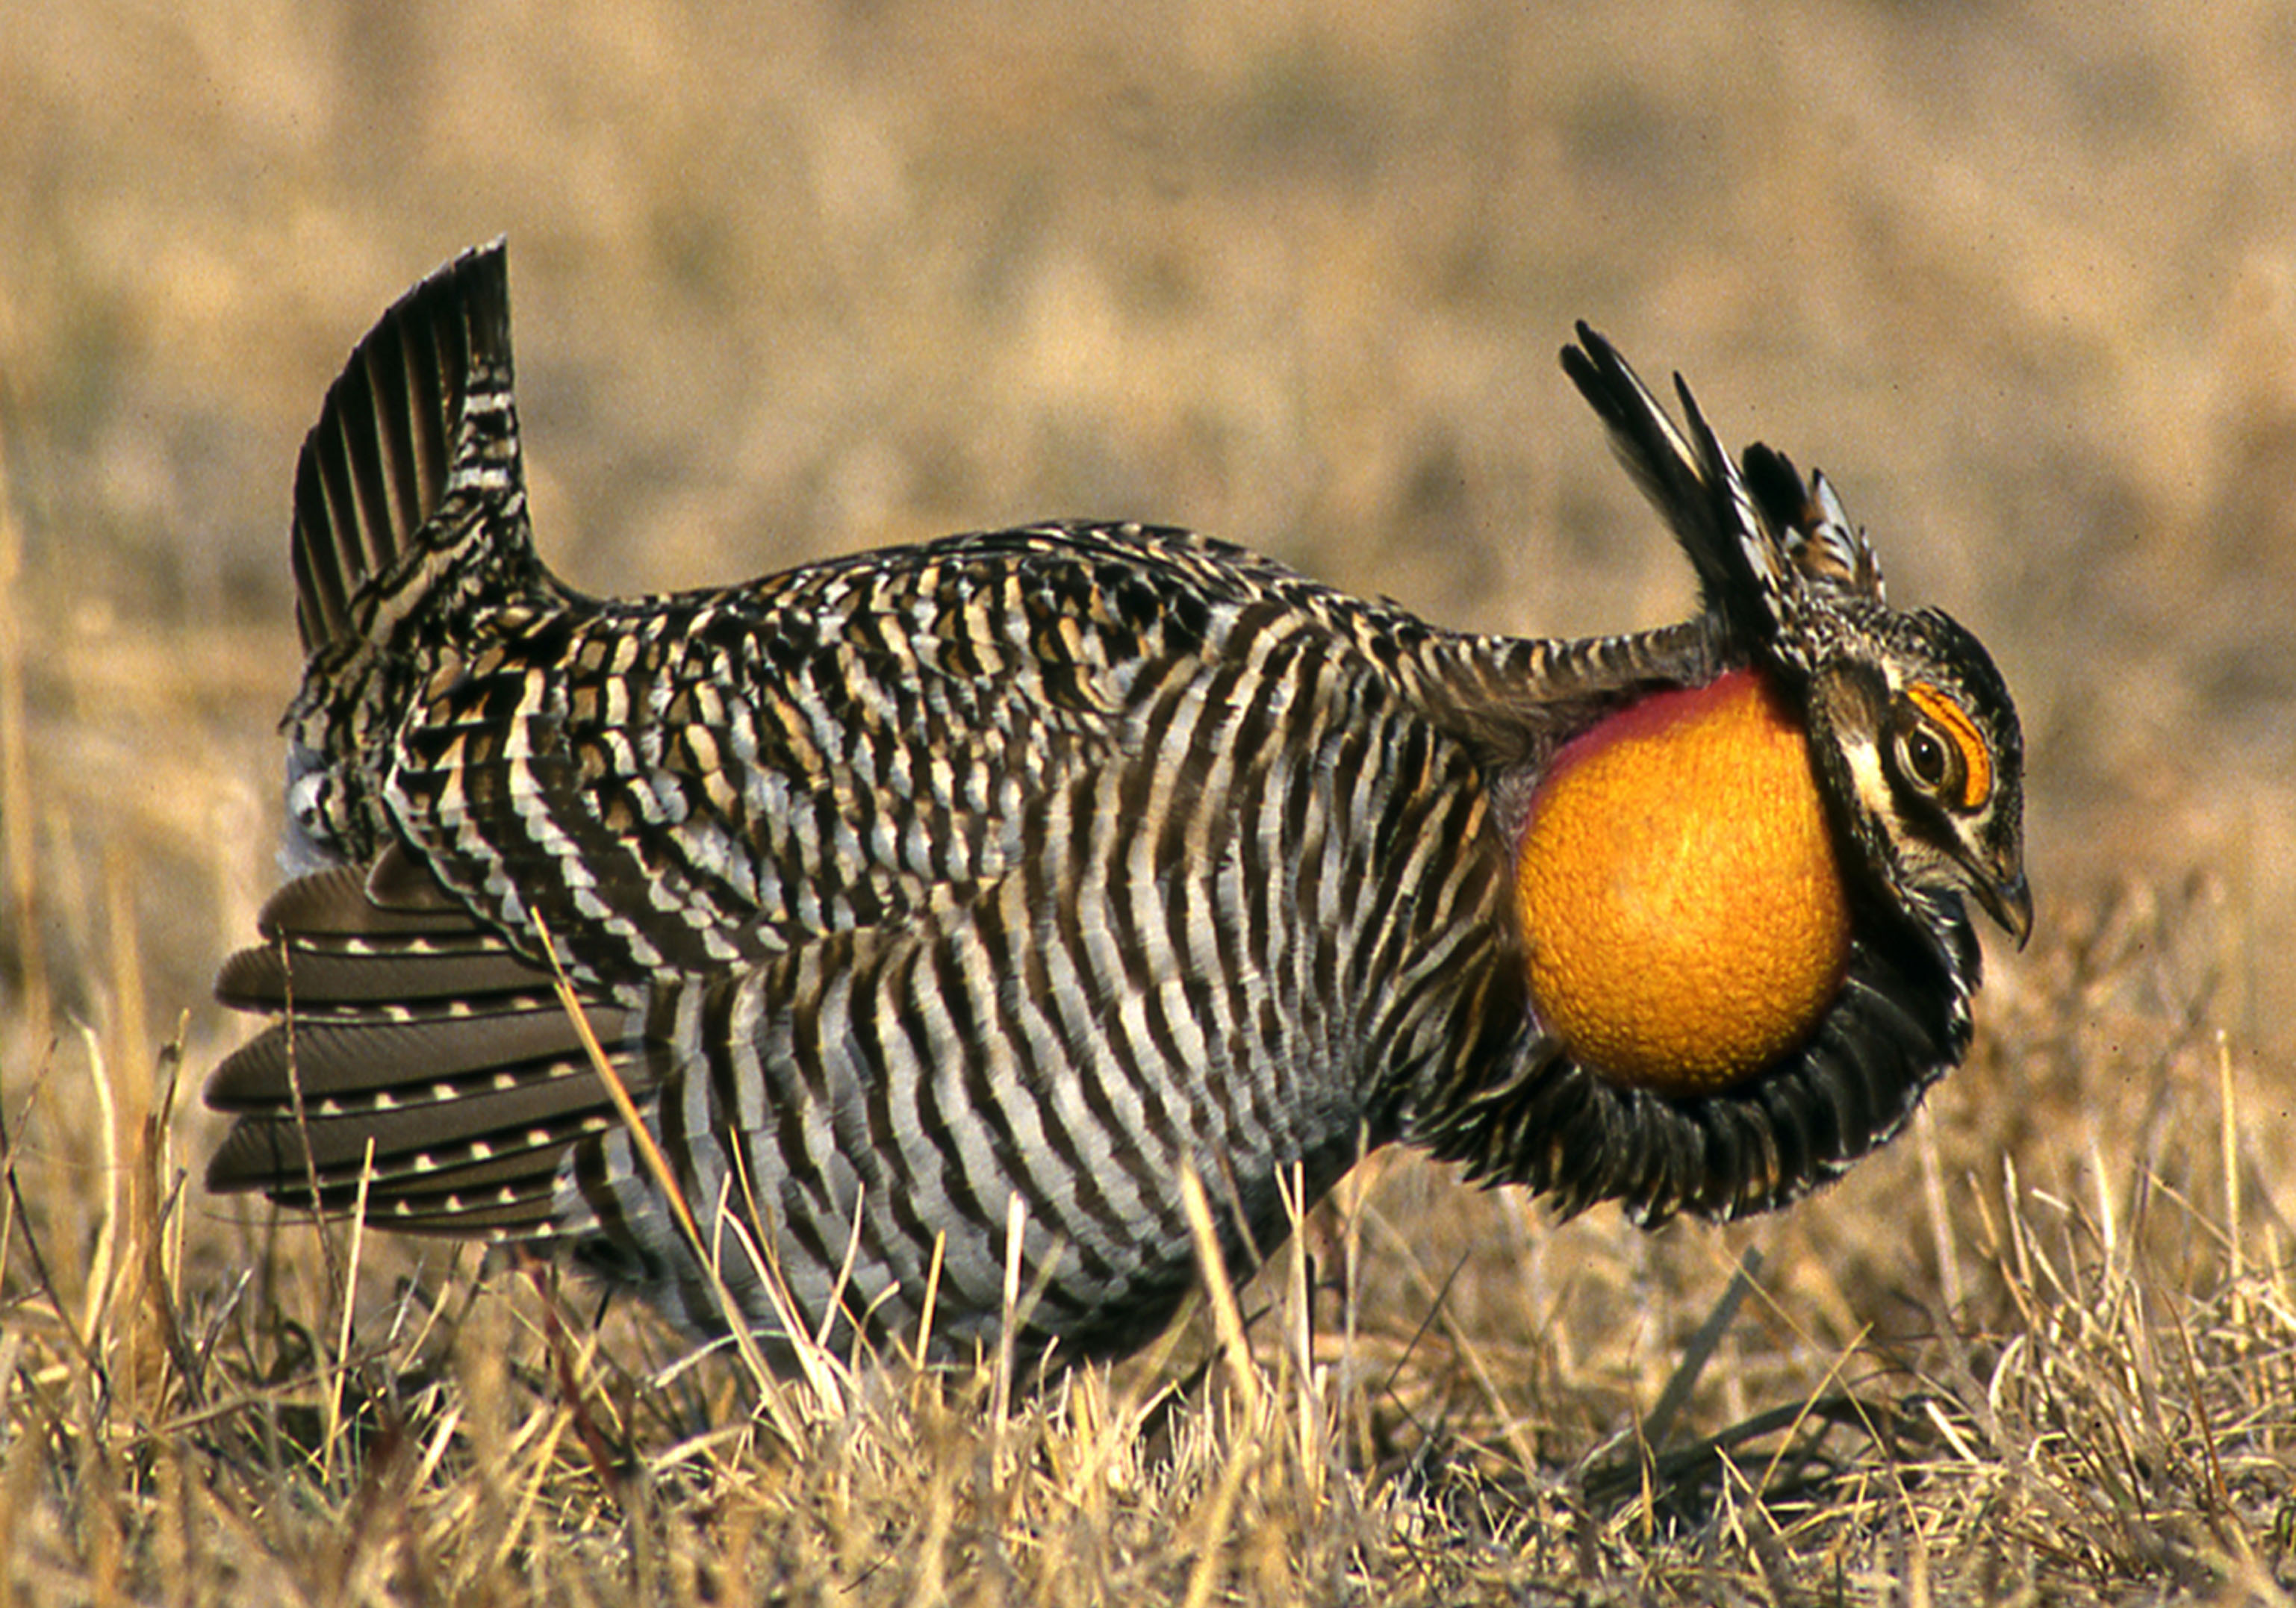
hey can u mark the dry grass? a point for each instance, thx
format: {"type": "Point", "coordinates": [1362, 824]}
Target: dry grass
{"type": "Point", "coordinates": [2005, 1391]}
{"type": "Point", "coordinates": [809, 278]}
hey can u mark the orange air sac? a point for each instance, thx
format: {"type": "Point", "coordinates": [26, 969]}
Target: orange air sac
{"type": "Point", "coordinates": [1679, 891]}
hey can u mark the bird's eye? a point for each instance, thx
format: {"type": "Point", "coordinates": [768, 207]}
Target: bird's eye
{"type": "Point", "coordinates": [1941, 750]}
{"type": "Point", "coordinates": [1924, 757]}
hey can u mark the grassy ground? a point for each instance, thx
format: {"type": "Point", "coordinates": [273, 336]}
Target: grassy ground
{"type": "Point", "coordinates": [809, 278]}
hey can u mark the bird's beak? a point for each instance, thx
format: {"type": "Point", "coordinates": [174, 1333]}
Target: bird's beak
{"type": "Point", "coordinates": [2007, 899]}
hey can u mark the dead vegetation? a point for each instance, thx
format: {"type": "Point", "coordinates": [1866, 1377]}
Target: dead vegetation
{"type": "Point", "coordinates": [1998, 1390]}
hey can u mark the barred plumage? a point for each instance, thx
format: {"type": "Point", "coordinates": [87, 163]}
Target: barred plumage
{"type": "Point", "coordinates": [1042, 863]}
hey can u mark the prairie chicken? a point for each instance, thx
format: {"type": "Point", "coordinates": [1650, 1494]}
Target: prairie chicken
{"type": "Point", "coordinates": [1040, 865]}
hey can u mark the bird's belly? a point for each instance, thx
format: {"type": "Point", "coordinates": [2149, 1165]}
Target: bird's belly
{"type": "Point", "coordinates": [877, 1168]}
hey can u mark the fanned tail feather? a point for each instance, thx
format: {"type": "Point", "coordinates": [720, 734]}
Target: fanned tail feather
{"type": "Point", "coordinates": [414, 1055]}
{"type": "Point", "coordinates": [424, 409]}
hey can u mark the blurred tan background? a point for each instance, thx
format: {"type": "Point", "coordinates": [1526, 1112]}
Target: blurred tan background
{"type": "Point", "coordinates": [798, 279]}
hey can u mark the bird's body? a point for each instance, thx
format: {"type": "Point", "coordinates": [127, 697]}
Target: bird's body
{"type": "Point", "coordinates": [1034, 867]}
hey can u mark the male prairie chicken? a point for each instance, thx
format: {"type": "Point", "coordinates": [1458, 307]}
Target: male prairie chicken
{"type": "Point", "coordinates": [1040, 866]}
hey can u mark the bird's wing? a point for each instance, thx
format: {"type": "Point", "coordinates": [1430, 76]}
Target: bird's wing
{"type": "Point", "coordinates": [684, 785]}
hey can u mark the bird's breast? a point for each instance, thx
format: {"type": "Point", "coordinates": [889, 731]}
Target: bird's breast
{"type": "Point", "coordinates": [1680, 896]}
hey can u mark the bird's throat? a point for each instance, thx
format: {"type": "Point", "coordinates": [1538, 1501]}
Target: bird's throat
{"type": "Point", "coordinates": [1679, 891]}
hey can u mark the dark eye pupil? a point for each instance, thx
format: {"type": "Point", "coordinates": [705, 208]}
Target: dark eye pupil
{"type": "Point", "coordinates": [1926, 757]}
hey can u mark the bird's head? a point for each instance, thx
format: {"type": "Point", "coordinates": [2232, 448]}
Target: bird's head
{"type": "Point", "coordinates": [1741, 890]}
